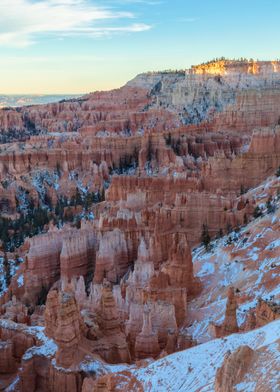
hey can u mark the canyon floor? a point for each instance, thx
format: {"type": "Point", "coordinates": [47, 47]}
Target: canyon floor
{"type": "Point", "coordinates": [139, 228]}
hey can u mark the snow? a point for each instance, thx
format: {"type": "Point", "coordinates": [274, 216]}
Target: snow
{"type": "Point", "coordinates": [13, 386]}
{"type": "Point", "coordinates": [245, 387]}
{"type": "Point", "coordinates": [96, 367]}
{"type": "Point", "coordinates": [253, 254]}
{"type": "Point", "coordinates": [207, 269]}
{"type": "Point", "coordinates": [194, 369]}
{"type": "Point", "coordinates": [47, 348]}
{"type": "Point", "coordinates": [273, 244]}
{"type": "Point", "coordinates": [20, 280]}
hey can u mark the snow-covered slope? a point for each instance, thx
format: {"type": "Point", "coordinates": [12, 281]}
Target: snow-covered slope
{"type": "Point", "coordinates": [248, 260]}
{"type": "Point", "coordinates": [194, 370]}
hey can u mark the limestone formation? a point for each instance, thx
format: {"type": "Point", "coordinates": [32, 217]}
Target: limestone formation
{"type": "Point", "coordinates": [229, 324]}
{"type": "Point", "coordinates": [233, 369]}
{"type": "Point", "coordinates": [64, 324]}
{"type": "Point", "coordinates": [146, 344]}
{"type": "Point", "coordinates": [7, 360]}
{"type": "Point", "coordinates": [111, 258]}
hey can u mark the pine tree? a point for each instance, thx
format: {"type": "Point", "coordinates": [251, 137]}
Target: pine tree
{"type": "Point", "coordinates": [7, 269]}
{"type": "Point", "coordinates": [17, 259]}
{"type": "Point", "coordinates": [229, 228]}
{"type": "Point", "coordinates": [42, 296]}
{"type": "Point", "coordinates": [242, 189]}
{"type": "Point", "coordinates": [58, 169]}
{"type": "Point", "coordinates": [168, 139]}
{"type": "Point", "coordinates": [257, 212]}
{"type": "Point", "coordinates": [78, 198]}
{"type": "Point", "coordinates": [149, 151]}
{"type": "Point", "coordinates": [270, 207]}
{"type": "Point", "coordinates": [135, 157]}
{"type": "Point", "coordinates": [102, 195]}
{"type": "Point", "coordinates": [205, 237]}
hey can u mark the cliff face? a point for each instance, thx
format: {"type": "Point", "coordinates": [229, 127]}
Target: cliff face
{"type": "Point", "coordinates": [104, 201]}
{"type": "Point", "coordinates": [231, 67]}
{"type": "Point", "coordinates": [231, 94]}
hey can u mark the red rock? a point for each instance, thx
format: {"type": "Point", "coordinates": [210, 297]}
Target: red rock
{"type": "Point", "coordinates": [112, 257]}
{"type": "Point", "coordinates": [7, 360]}
{"type": "Point", "coordinates": [266, 312]}
{"type": "Point", "coordinates": [74, 256]}
{"type": "Point", "coordinates": [16, 311]}
{"type": "Point", "coordinates": [146, 344]}
{"type": "Point", "coordinates": [64, 325]}
{"type": "Point", "coordinates": [233, 369]}
{"type": "Point", "coordinates": [180, 268]}
{"type": "Point", "coordinates": [229, 324]}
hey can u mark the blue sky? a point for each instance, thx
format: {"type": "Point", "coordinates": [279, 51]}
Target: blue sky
{"type": "Point", "coordinates": [77, 46]}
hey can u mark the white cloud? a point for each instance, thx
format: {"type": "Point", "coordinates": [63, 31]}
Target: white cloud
{"type": "Point", "coordinates": [22, 21]}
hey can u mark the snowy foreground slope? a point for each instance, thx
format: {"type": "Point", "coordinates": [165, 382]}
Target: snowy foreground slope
{"type": "Point", "coordinates": [248, 260]}
{"type": "Point", "coordinates": [194, 370]}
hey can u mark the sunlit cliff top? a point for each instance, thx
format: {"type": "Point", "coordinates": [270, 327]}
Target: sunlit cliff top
{"type": "Point", "coordinates": [224, 66]}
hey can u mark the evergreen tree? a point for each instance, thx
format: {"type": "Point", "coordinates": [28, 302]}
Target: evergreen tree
{"type": "Point", "coordinates": [205, 237]}
{"type": "Point", "coordinates": [135, 157]}
{"type": "Point", "coordinates": [257, 212]}
{"type": "Point", "coordinates": [242, 189]}
{"type": "Point", "coordinates": [78, 198]}
{"type": "Point", "coordinates": [42, 296]}
{"type": "Point", "coordinates": [58, 169]}
{"type": "Point", "coordinates": [229, 228]}
{"type": "Point", "coordinates": [48, 201]}
{"type": "Point", "coordinates": [7, 269]}
{"type": "Point", "coordinates": [69, 217]}
{"type": "Point", "coordinates": [270, 206]}
{"type": "Point", "coordinates": [102, 195]}
{"type": "Point", "coordinates": [168, 139]}
{"type": "Point", "coordinates": [17, 259]}
{"type": "Point", "coordinates": [150, 150]}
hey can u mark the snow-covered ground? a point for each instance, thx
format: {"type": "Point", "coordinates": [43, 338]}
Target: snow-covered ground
{"type": "Point", "coordinates": [194, 370]}
{"type": "Point", "coordinates": [47, 348]}
{"type": "Point", "coordinates": [250, 262]}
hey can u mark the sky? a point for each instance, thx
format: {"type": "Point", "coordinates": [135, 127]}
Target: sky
{"type": "Point", "coordinates": [80, 46]}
